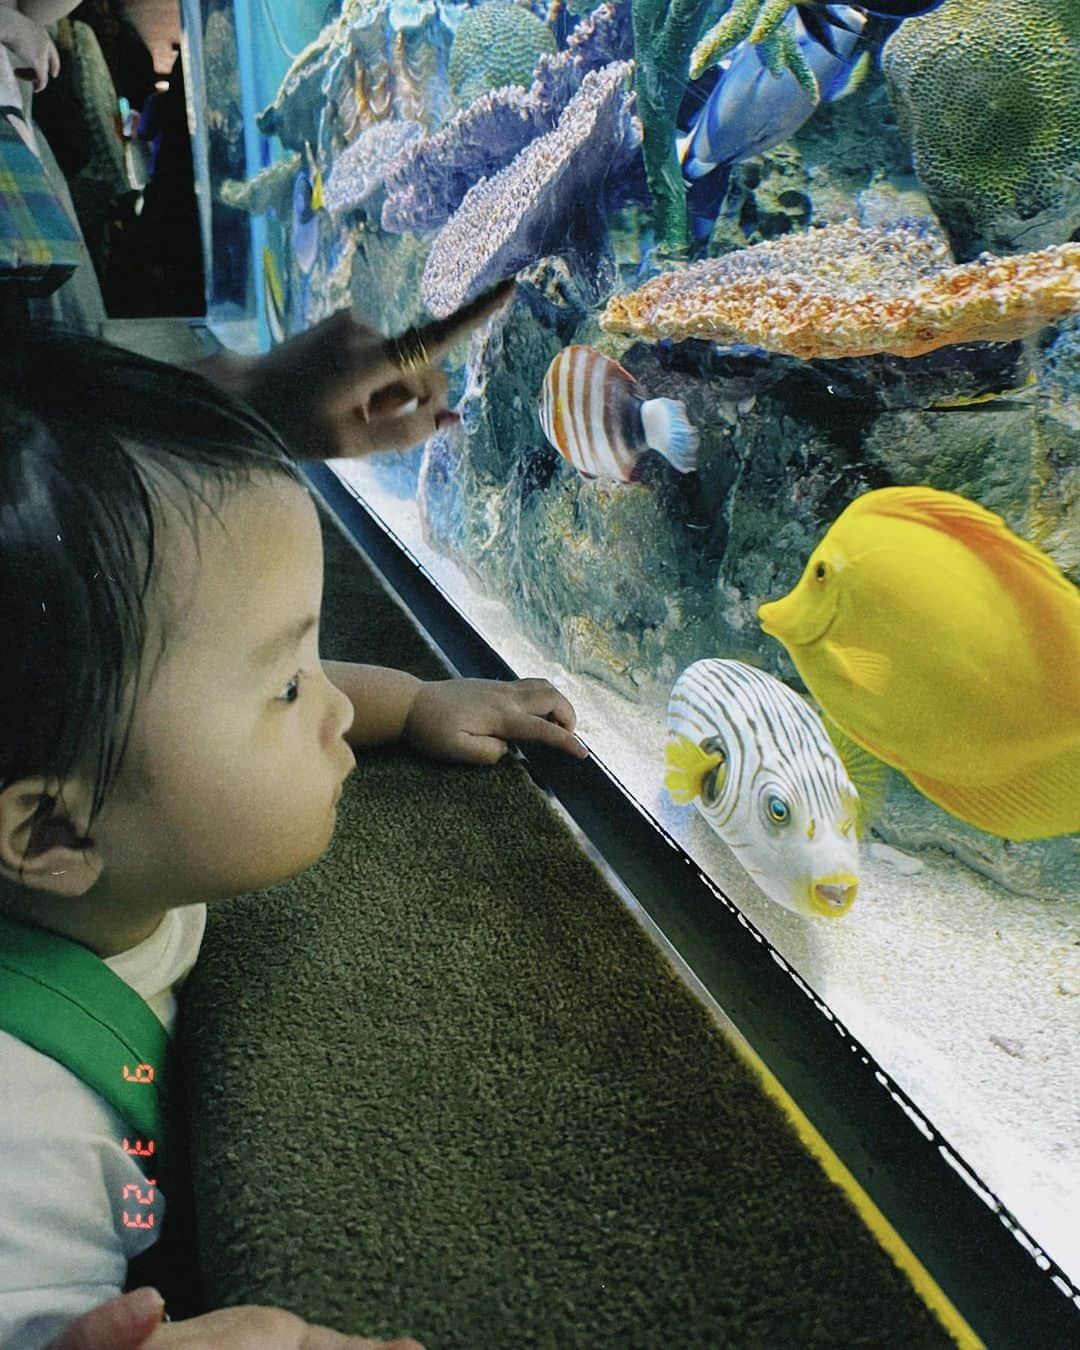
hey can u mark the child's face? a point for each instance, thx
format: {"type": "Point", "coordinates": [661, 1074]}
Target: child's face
{"type": "Point", "coordinates": [237, 756]}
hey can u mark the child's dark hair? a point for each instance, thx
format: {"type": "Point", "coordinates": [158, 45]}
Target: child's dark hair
{"type": "Point", "coordinates": [90, 436]}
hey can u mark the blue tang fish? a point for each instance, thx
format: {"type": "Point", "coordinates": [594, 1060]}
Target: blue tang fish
{"type": "Point", "coordinates": [306, 203]}
{"type": "Point", "coordinates": [750, 110]}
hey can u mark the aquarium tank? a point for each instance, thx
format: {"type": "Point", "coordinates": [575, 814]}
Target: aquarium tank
{"type": "Point", "coordinates": [772, 463]}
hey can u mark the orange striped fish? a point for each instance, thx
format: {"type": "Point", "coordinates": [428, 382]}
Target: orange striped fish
{"type": "Point", "coordinates": [597, 416]}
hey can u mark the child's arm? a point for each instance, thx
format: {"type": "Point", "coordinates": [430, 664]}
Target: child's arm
{"type": "Point", "coordinates": [470, 721]}
{"type": "Point", "coordinates": [381, 699]}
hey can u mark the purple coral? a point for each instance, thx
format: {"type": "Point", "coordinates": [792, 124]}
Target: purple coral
{"type": "Point", "coordinates": [360, 169]}
{"type": "Point", "coordinates": [428, 181]}
{"type": "Point", "coordinates": [535, 205]}
{"type": "Point", "coordinates": [601, 37]}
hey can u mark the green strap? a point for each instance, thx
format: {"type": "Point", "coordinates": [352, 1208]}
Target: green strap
{"type": "Point", "coordinates": [62, 999]}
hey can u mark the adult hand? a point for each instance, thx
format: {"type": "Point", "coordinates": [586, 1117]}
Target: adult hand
{"type": "Point", "coordinates": [342, 390]}
{"type": "Point", "coordinates": [471, 721]}
{"type": "Point", "coordinates": [32, 52]}
{"type": "Point", "coordinates": [133, 1322]}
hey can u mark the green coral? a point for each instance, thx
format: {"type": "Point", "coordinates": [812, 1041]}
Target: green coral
{"type": "Point", "coordinates": [760, 22]}
{"type": "Point", "coordinates": [496, 44]}
{"type": "Point", "coordinates": [986, 94]}
{"type": "Point", "coordinates": [664, 35]}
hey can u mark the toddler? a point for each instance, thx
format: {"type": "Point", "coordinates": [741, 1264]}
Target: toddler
{"type": "Point", "coordinates": [168, 737]}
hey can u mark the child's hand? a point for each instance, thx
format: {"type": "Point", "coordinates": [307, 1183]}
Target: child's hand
{"type": "Point", "coordinates": [130, 1322]}
{"type": "Point", "coordinates": [471, 720]}
{"type": "Point", "coordinates": [32, 52]}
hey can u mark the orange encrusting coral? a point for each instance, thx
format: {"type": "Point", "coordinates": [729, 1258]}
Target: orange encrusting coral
{"type": "Point", "coordinates": [843, 291]}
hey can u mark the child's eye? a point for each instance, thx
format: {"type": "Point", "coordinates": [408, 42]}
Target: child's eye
{"type": "Point", "coordinates": [291, 691]}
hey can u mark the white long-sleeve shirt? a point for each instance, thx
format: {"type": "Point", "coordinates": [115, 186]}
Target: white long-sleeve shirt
{"type": "Point", "coordinates": [64, 1247]}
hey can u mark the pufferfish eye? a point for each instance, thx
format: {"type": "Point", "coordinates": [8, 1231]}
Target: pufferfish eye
{"type": "Point", "coordinates": [778, 810]}
{"type": "Point", "coordinates": [821, 571]}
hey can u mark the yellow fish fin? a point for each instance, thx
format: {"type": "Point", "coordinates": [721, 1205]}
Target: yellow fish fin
{"type": "Point", "coordinates": [985, 533]}
{"type": "Point", "coordinates": [317, 202]}
{"type": "Point", "coordinates": [687, 766]}
{"type": "Point", "coordinates": [865, 669]}
{"type": "Point", "coordinates": [870, 775]}
{"type": "Point", "coordinates": [1039, 801]}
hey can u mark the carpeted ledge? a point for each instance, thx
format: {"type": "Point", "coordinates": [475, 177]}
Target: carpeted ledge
{"type": "Point", "coordinates": [443, 1085]}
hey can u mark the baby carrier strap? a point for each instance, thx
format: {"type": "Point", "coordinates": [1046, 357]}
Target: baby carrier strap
{"type": "Point", "coordinates": [62, 999]}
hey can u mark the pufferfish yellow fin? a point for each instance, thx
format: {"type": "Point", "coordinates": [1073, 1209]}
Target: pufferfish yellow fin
{"type": "Point", "coordinates": [865, 669]}
{"type": "Point", "coordinates": [869, 775]}
{"type": "Point", "coordinates": [317, 200]}
{"type": "Point", "coordinates": [687, 766]}
{"type": "Point", "coordinates": [1039, 801]}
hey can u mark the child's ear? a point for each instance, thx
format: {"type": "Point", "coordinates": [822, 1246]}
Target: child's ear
{"type": "Point", "coordinates": [41, 844]}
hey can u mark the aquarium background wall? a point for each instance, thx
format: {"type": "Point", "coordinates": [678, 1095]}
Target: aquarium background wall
{"type": "Point", "coordinates": [772, 464]}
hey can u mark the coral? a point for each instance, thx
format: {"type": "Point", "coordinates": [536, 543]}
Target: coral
{"type": "Point", "coordinates": [601, 37]}
{"type": "Point", "coordinates": [664, 33]}
{"type": "Point", "coordinates": [360, 169]}
{"type": "Point", "coordinates": [390, 65]}
{"type": "Point", "coordinates": [496, 44]}
{"type": "Point", "coordinates": [380, 59]}
{"type": "Point", "coordinates": [427, 183]}
{"type": "Point", "coordinates": [293, 115]}
{"type": "Point", "coordinates": [986, 93]}
{"type": "Point", "coordinates": [272, 187]}
{"type": "Point", "coordinates": [844, 291]}
{"type": "Point", "coordinates": [762, 24]}
{"type": "Point", "coordinates": [548, 199]}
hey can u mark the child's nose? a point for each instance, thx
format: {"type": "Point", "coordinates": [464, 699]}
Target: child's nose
{"type": "Point", "coordinates": [346, 712]}
{"type": "Point", "coordinates": [341, 713]}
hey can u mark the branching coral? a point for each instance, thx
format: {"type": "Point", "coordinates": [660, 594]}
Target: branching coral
{"type": "Point", "coordinates": [987, 93]}
{"type": "Point", "coordinates": [760, 22]}
{"type": "Point", "coordinates": [293, 115]}
{"type": "Point", "coordinates": [271, 187]}
{"type": "Point", "coordinates": [845, 291]}
{"type": "Point", "coordinates": [664, 33]}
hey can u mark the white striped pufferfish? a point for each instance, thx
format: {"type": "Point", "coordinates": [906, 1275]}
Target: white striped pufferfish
{"type": "Point", "coordinates": [757, 762]}
{"type": "Point", "coordinates": [598, 418]}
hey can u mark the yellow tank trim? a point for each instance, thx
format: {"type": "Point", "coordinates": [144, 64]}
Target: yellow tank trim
{"type": "Point", "coordinates": [887, 1236]}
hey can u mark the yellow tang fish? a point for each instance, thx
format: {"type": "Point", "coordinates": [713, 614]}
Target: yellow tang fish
{"type": "Point", "coordinates": [950, 648]}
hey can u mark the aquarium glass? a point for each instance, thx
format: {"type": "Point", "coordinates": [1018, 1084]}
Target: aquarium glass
{"type": "Point", "coordinates": [772, 464]}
